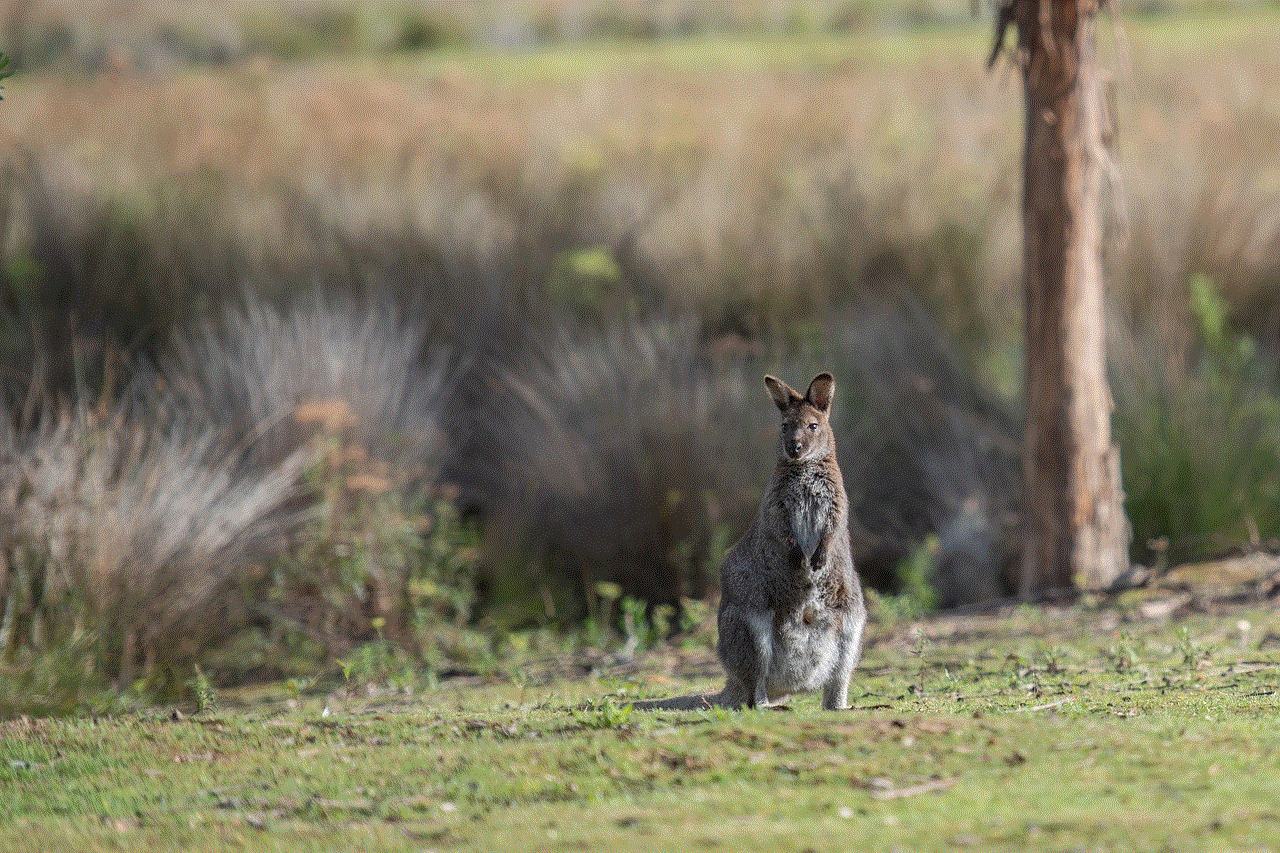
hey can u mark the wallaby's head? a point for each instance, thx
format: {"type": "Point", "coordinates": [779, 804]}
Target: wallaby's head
{"type": "Point", "coordinates": [806, 425]}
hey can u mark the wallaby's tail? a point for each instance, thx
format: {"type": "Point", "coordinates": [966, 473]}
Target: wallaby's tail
{"type": "Point", "coordinates": [694, 702]}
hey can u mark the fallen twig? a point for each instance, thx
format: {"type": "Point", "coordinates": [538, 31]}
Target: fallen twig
{"type": "Point", "coordinates": [1055, 704]}
{"type": "Point", "coordinates": [912, 790]}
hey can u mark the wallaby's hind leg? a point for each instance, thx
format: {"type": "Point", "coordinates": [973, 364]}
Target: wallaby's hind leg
{"type": "Point", "coordinates": [761, 627]}
{"type": "Point", "coordinates": [835, 691]}
{"type": "Point", "coordinates": [746, 650]}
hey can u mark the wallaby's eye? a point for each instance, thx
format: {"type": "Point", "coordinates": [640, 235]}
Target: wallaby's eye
{"type": "Point", "coordinates": [813, 427]}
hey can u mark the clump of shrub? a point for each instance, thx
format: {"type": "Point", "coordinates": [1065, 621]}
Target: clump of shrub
{"type": "Point", "coordinates": [613, 455]}
{"type": "Point", "coordinates": [1200, 437]}
{"type": "Point", "coordinates": [129, 542]}
{"type": "Point", "coordinates": [270, 487]}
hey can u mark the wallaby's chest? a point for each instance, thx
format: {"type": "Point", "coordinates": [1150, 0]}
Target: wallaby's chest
{"type": "Point", "coordinates": [808, 503]}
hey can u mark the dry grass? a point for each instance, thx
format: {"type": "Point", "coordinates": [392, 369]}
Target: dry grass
{"type": "Point", "coordinates": [357, 368]}
{"type": "Point", "coordinates": [268, 490]}
{"type": "Point", "coordinates": [760, 183]}
{"type": "Point", "coordinates": [615, 455]}
{"type": "Point", "coordinates": [128, 548]}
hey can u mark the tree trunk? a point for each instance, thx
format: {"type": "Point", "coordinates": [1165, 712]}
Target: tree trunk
{"type": "Point", "coordinates": [1075, 530]}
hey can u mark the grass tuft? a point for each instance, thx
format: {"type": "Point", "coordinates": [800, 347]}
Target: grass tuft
{"type": "Point", "coordinates": [261, 502]}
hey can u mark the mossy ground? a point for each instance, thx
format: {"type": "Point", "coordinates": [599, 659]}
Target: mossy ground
{"type": "Point", "coordinates": [1055, 730]}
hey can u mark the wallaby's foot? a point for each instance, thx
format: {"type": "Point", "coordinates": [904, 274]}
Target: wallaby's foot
{"type": "Point", "coordinates": [830, 704]}
{"type": "Point", "coordinates": [835, 697]}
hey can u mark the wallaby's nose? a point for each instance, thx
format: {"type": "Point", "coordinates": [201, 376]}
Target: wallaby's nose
{"type": "Point", "coordinates": [793, 448]}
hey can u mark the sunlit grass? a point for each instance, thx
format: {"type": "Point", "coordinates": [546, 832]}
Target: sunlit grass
{"type": "Point", "coordinates": [1019, 733]}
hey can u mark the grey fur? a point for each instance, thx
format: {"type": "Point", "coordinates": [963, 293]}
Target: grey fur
{"type": "Point", "coordinates": [791, 610]}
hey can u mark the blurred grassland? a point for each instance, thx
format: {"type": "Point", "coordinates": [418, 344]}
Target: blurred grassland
{"type": "Point", "coordinates": [80, 34]}
{"type": "Point", "coordinates": [401, 348]}
{"type": "Point", "coordinates": [745, 175]}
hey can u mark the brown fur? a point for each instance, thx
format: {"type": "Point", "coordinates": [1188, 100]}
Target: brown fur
{"type": "Point", "coordinates": [791, 610]}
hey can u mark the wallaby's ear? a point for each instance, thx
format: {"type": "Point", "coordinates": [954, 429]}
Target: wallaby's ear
{"type": "Point", "coordinates": [821, 390]}
{"type": "Point", "coordinates": [783, 394]}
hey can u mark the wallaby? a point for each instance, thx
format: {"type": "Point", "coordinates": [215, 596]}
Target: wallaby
{"type": "Point", "coordinates": [791, 611]}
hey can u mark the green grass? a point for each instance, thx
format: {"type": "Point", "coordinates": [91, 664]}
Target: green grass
{"type": "Point", "coordinates": [966, 43]}
{"type": "Point", "coordinates": [1033, 731]}
{"type": "Point", "coordinates": [715, 53]}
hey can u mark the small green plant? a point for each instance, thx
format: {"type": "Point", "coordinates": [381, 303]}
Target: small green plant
{"type": "Point", "coordinates": [1017, 669]}
{"type": "Point", "coordinates": [717, 714]}
{"type": "Point", "coordinates": [297, 686]}
{"type": "Point", "coordinates": [919, 644]}
{"type": "Point", "coordinates": [1192, 654]}
{"type": "Point", "coordinates": [642, 627]}
{"type": "Point", "coordinates": [916, 596]}
{"type": "Point", "coordinates": [914, 575]}
{"type": "Point", "coordinates": [201, 690]}
{"type": "Point", "coordinates": [694, 614]}
{"type": "Point", "coordinates": [1121, 654]}
{"type": "Point", "coordinates": [376, 660]}
{"type": "Point", "coordinates": [595, 629]}
{"type": "Point", "coordinates": [1055, 660]}
{"type": "Point", "coordinates": [606, 715]}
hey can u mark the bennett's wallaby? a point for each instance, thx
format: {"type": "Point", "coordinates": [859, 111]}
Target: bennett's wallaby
{"type": "Point", "coordinates": [791, 611]}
